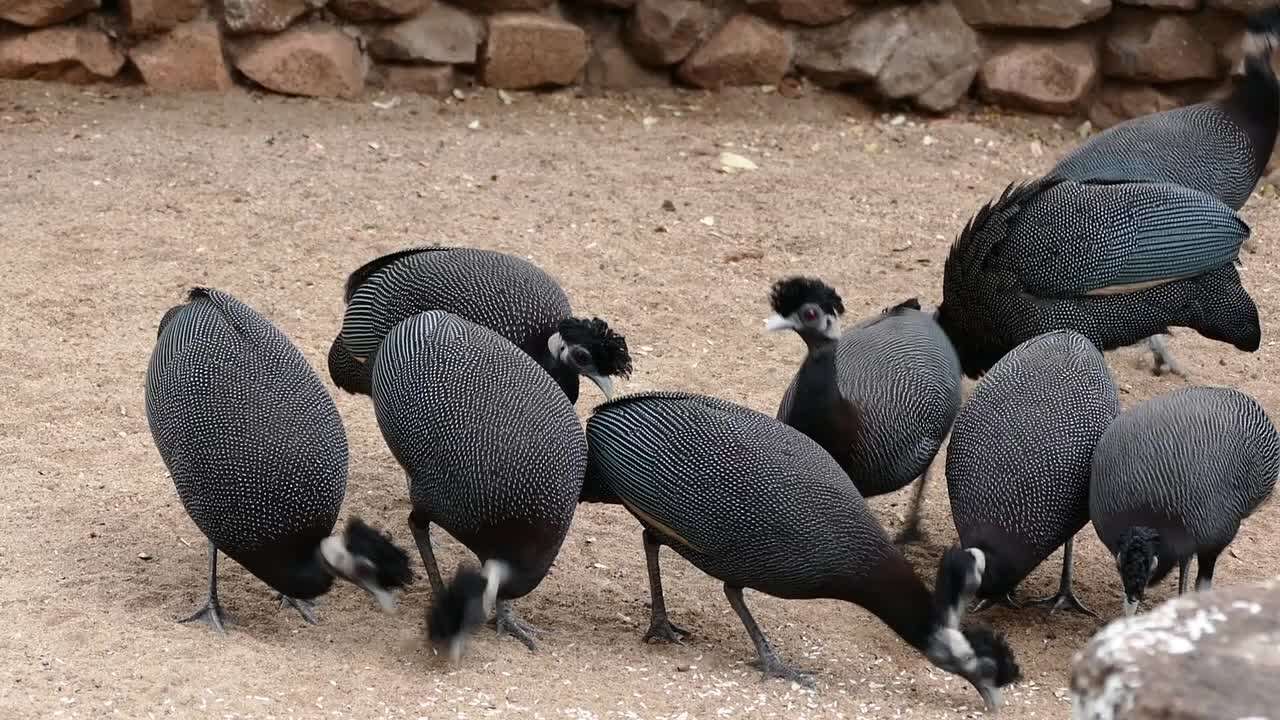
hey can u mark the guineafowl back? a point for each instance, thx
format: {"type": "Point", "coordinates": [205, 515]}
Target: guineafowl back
{"type": "Point", "coordinates": [1198, 459]}
{"type": "Point", "coordinates": [1018, 461]}
{"type": "Point", "coordinates": [252, 439]}
{"type": "Point", "coordinates": [745, 498]}
{"type": "Point", "coordinates": [901, 372]}
{"type": "Point", "coordinates": [493, 450]}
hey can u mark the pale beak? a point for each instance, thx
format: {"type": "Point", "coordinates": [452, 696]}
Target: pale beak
{"type": "Point", "coordinates": [990, 696]}
{"type": "Point", "coordinates": [604, 383]}
{"type": "Point", "coordinates": [773, 323]}
{"type": "Point", "coordinates": [1130, 607]}
{"type": "Point", "coordinates": [386, 600]}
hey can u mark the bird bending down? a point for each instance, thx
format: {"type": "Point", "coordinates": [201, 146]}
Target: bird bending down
{"type": "Point", "coordinates": [1174, 477]}
{"type": "Point", "coordinates": [258, 455]}
{"type": "Point", "coordinates": [1018, 463]}
{"type": "Point", "coordinates": [506, 294]}
{"type": "Point", "coordinates": [1218, 147]}
{"type": "Point", "coordinates": [880, 397]}
{"type": "Point", "coordinates": [757, 504]}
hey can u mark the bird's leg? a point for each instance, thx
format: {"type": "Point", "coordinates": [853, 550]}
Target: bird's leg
{"type": "Point", "coordinates": [1005, 600]}
{"type": "Point", "coordinates": [1065, 597]}
{"type": "Point", "coordinates": [1204, 570]}
{"type": "Point", "coordinates": [660, 628]}
{"type": "Point", "coordinates": [911, 533]}
{"type": "Point", "coordinates": [1162, 358]}
{"type": "Point", "coordinates": [305, 608]}
{"type": "Point", "coordinates": [506, 623]}
{"type": "Point", "coordinates": [421, 529]}
{"type": "Point", "coordinates": [212, 613]}
{"type": "Point", "coordinates": [1182, 574]}
{"type": "Point", "coordinates": [767, 661]}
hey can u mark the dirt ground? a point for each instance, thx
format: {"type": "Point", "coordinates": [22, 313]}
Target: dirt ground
{"type": "Point", "coordinates": [114, 202]}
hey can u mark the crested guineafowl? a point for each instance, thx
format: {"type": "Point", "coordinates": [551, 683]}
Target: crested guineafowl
{"type": "Point", "coordinates": [1174, 476]}
{"type": "Point", "coordinates": [258, 455]}
{"type": "Point", "coordinates": [1219, 147]}
{"type": "Point", "coordinates": [756, 504]}
{"type": "Point", "coordinates": [880, 397]}
{"type": "Point", "coordinates": [509, 295]}
{"type": "Point", "coordinates": [1019, 460]}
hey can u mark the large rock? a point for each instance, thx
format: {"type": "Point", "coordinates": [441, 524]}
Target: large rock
{"type": "Point", "coordinates": [185, 59]}
{"type": "Point", "coordinates": [1059, 14]}
{"type": "Point", "coordinates": [611, 66]}
{"type": "Point", "coordinates": [1244, 7]}
{"type": "Point", "coordinates": [143, 17]}
{"type": "Point", "coordinates": [805, 12]}
{"type": "Point", "coordinates": [262, 16]}
{"type": "Point", "coordinates": [369, 10]}
{"type": "Point", "coordinates": [1153, 47]}
{"type": "Point", "coordinates": [1163, 4]}
{"type": "Point", "coordinates": [853, 51]}
{"type": "Point", "coordinates": [664, 32]}
{"type": "Point", "coordinates": [525, 50]}
{"type": "Point", "coordinates": [39, 13]}
{"type": "Point", "coordinates": [1116, 102]}
{"type": "Point", "coordinates": [432, 80]}
{"type": "Point", "coordinates": [319, 61]}
{"type": "Point", "coordinates": [935, 62]}
{"type": "Point", "coordinates": [68, 54]}
{"type": "Point", "coordinates": [1203, 656]}
{"type": "Point", "coordinates": [496, 6]}
{"type": "Point", "coordinates": [442, 34]}
{"type": "Point", "coordinates": [1051, 76]}
{"type": "Point", "coordinates": [745, 51]}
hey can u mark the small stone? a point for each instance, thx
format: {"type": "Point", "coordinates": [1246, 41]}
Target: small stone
{"type": "Point", "coordinates": [261, 16]}
{"type": "Point", "coordinates": [746, 51]}
{"type": "Point", "coordinates": [1056, 14]}
{"type": "Point", "coordinates": [441, 34]}
{"type": "Point", "coordinates": [186, 59]}
{"type": "Point", "coordinates": [40, 13]}
{"type": "Point", "coordinates": [319, 61]}
{"type": "Point", "coordinates": [67, 54]}
{"type": "Point", "coordinates": [664, 32]}
{"type": "Point", "coordinates": [1116, 102]}
{"type": "Point", "coordinates": [1157, 48]}
{"type": "Point", "coordinates": [430, 80]}
{"type": "Point", "coordinates": [804, 12]}
{"type": "Point", "coordinates": [525, 51]}
{"type": "Point", "coordinates": [928, 140]}
{"type": "Point", "coordinates": [668, 206]}
{"type": "Point", "coordinates": [144, 556]}
{"type": "Point", "coordinates": [1050, 76]}
{"type": "Point", "coordinates": [370, 10]}
{"type": "Point", "coordinates": [1037, 150]}
{"type": "Point", "coordinates": [143, 17]}
{"type": "Point", "coordinates": [730, 162]}
{"type": "Point", "coordinates": [708, 221]}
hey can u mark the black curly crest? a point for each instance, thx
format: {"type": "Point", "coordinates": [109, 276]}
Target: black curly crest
{"type": "Point", "coordinates": [608, 349]}
{"type": "Point", "coordinates": [459, 608]}
{"type": "Point", "coordinates": [1137, 546]}
{"type": "Point", "coordinates": [908, 304]}
{"type": "Point", "coordinates": [789, 294]}
{"type": "Point", "coordinates": [992, 645]}
{"type": "Point", "coordinates": [389, 561]}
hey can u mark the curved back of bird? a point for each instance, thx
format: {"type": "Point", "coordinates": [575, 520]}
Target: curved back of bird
{"type": "Point", "coordinates": [744, 497]}
{"type": "Point", "coordinates": [1018, 461]}
{"type": "Point", "coordinates": [252, 439]}
{"type": "Point", "coordinates": [493, 449]}
{"type": "Point", "coordinates": [510, 296]}
{"type": "Point", "coordinates": [1198, 458]}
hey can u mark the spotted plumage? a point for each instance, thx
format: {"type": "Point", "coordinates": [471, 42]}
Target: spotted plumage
{"type": "Point", "coordinates": [1115, 262]}
{"type": "Point", "coordinates": [756, 504]}
{"type": "Point", "coordinates": [1018, 462]}
{"type": "Point", "coordinates": [509, 295]}
{"type": "Point", "coordinates": [1174, 477]}
{"type": "Point", "coordinates": [493, 450]}
{"type": "Point", "coordinates": [257, 452]}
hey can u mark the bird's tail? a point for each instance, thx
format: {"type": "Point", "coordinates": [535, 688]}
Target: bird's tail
{"type": "Point", "coordinates": [346, 372]}
{"type": "Point", "coordinates": [465, 603]}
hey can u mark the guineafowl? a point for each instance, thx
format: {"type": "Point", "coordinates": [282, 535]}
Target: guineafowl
{"type": "Point", "coordinates": [1019, 460]}
{"type": "Point", "coordinates": [494, 453]}
{"type": "Point", "coordinates": [258, 455]}
{"type": "Point", "coordinates": [756, 504]}
{"type": "Point", "coordinates": [880, 397]}
{"type": "Point", "coordinates": [1115, 262]}
{"type": "Point", "coordinates": [1219, 147]}
{"type": "Point", "coordinates": [1174, 476]}
{"type": "Point", "coordinates": [504, 293]}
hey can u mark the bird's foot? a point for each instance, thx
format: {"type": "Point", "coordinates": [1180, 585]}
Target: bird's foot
{"type": "Point", "coordinates": [662, 630]}
{"type": "Point", "coordinates": [1005, 600]}
{"type": "Point", "coordinates": [1064, 599]}
{"type": "Point", "coordinates": [772, 667]}
{"type": "Point", "coordinates": [305, 608]}
{"type": "Point", "coordinates": [908, 535]}
{"type": "Point", "coordinates": [212, 615]}
{"type": "Point", "coordinates": [505, 622]}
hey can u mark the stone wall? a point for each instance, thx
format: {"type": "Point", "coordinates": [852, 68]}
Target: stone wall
{"type": "Point", "coordinates": [1108, 59]}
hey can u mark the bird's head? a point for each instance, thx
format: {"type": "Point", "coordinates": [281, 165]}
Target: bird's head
{"type": "Point", "coordinates": [367, 558]}
{"type": "Point", "coordinates": [1137, 559]}
{"type": "Point", "coordinates": [590, 348]}
{"type": "Point", "coordinates": [808, 306]}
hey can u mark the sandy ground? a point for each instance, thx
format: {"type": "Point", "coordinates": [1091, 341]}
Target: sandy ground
{"type": "Point", "coordinates": [114, 202]}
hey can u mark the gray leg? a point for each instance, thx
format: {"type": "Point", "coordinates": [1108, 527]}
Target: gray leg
{"type": "Point", "coordinates": [422, 536]}
{"type": "Point", "coordinates": [506, 623]}
{"type": "Point", "coordinates": [1162, 358]}
{"type": "Point", "coordinates": [212, 613]}
{"type": "Point", "coordinates": [1065, 597]}
{"type": "Point", "coordinates": [1182, 574]}
{"type": "Point", "coordinates": [768, 662]}
{"type": "Point", "coordinates": [305, 608]}
{"type": "Point", "coordinates": [1005, 601]}
{"type": "Point", "coordinates": [1204, 570]}
{"type": "Point", "coordinates": [911, 533]}
{"type": "Point", "coordinates": [660, 628]}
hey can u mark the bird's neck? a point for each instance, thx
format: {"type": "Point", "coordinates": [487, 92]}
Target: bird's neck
{"type": "Point", "coordinates": [895, 594]}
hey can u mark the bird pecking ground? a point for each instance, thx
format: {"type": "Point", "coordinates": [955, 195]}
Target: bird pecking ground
{"type": "Point", "coordinates": [114, 202]}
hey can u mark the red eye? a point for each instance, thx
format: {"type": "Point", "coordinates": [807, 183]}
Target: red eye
{"type": "Point", "coordinates": [809, 314]}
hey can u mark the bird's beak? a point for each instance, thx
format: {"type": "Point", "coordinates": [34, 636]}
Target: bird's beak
{"type": "Point", "coordinates": [991, 696]}
{"type": "Point", "coordinates": [386, 600]}
{"type": "Point", "coordinates": [1130, 607]}
{"type": "Point", "coordinates": [604, 383]}
{"type": "Point", "coordinates": [774, 323]}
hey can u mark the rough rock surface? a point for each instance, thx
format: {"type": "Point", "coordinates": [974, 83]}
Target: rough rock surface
{"type": "Point", "coordinates": [369, 10]}
{"type": "Point", "coordinates": [1163, 4]}
{"type": "Point", "coordinates": [804, 12]}
{"type": "Point", "coordinates": [612, 66]}
{"type": "Point", "coordinates": [1050, 76]}
{"type": "Point", "coordinates": [1157, 48]}
{"type": "Point", "coordinates": [745, 51]}
{"type": "Point", "coordinates": [318, 61]}
{"type": "Point", "coordinates": [525, 50]}
{"type": "Point", "coordinates": [143, 17]}
{"type": "Point", "coordinates": [664, 32]}
{"type": "Point", "coordinates": [433, 80]}
{"type": "Point", "coordinates": [1116, 102]}
{"type": "Point", "coordinates": [853, 51]}
{"type": "Point", "coordinates": [39, 13]}
{"type": "Point", "coordinates": [185, 59]}
{"type": "Point", "coordinates": [1060, 14]}
{"type": "Point", "coordinates": [1244, 7]}
{"type": "Point", "coordinates": [935, 62]}
{"type": "Point", "coordinates": [496, 6]}
{"type": "Point", "coordinates": [1202, 656]}
{"type": "Point", "coordinates": [265, 16]}
{"type": "Point", "coordinates": [69, 54]}
{"type": "Point", "coordinates": [442, 34]}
